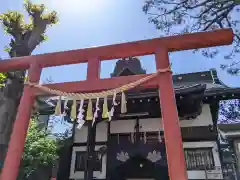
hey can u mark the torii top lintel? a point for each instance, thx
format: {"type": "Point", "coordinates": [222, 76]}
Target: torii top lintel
{"type": "Point", "coordinates": [138, 48]}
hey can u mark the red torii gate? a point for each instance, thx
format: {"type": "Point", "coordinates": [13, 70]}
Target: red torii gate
{"type": "Point", "coordinates": [160, 47]}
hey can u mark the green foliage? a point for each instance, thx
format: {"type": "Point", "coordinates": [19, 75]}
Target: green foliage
{"type": "Point", "coordinates": [178, 17]}
{"type": "Point", "coordinates": [27, 36]}
{"type": "Point", "coordinates": [40, 150]}
{"type": "Point", "coordinates": [3, 77]}
{"type": "Point", "coordinates": [37, 11]}
{"type": "Point", "coordinates": [12, 21]}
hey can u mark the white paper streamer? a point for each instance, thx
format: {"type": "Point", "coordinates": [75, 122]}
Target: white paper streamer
{"type": "Point", "coordinates": [80, 123]}
{"type": "Point", "coordinates": [65, 104]}
{"type": "Point", "coordinates": [80, 115]}
{"type": "Point", "coordinates": [111, 113]}
{"type": "Point", "coordinates": [114, 99]}
{"type": "Point", "coordinates": [65, 107]}
{"type": "Point", "coordinates": [96, 111]}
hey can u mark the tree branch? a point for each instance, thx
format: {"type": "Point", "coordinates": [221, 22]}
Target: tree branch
{"type": "Point", "coordinates": [194, 16]}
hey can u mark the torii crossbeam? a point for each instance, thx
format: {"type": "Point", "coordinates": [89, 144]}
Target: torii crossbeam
{"type": "Point", "coordinates": [93, 56]}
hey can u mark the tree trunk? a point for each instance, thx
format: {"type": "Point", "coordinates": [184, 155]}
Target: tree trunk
{"type": "Point", "coordinates": [23, 42]}
{"type": "Point", "coordinates": [10, 97]}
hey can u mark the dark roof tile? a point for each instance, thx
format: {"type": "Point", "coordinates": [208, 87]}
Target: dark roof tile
{"type": "Point", "coordinates": [131, 64]}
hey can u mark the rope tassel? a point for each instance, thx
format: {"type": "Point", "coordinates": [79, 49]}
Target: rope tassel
{"type": "Point", "coordinates": [105, 109]}
{"type": "Point", "coordinates": [74, 110]}
{"type": "Point", "coordinates": [58, 109]}
{"type": "Point", "coordinates": [123, 103]}
{"type": "Point", "coordinates": [89, 111]}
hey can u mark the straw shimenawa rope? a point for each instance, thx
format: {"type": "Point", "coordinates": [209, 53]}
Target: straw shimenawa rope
{"type": "Point", "coordinates": [99, 94]}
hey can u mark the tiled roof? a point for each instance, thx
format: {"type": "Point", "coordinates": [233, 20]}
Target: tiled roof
{"type": "Point", "coordinates": [132, 64]}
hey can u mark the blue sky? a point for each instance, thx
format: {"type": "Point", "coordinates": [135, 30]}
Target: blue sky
{"type": "Point", "coordinates": [88, 23]}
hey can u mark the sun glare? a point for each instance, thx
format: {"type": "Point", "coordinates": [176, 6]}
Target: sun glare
{"type": "Point", "coordinates": [80, 6]}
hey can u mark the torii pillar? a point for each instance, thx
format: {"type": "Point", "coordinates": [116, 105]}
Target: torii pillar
{"type": "Point", "coordinates": [171, 126]}
{"type": "Point", "coordinates": [18, 136]}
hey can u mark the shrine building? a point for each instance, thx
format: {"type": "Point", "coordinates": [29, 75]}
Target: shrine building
{"type": "Point", "coordinates": [131, 145]}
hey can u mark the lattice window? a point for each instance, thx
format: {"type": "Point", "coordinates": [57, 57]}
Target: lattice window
{"type": "Point", "coordinates": [199, 158]}
{"type": "Point", "coordinates": [80, 161]}
{"type": "Point", "coordinates": [153, 137]}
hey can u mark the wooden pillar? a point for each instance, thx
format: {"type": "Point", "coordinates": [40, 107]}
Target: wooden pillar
{"type": "Point", "coordinates": [90, 150]}
{"type": "Point", "coordinates": [93, 73]}
{"type": "Point", "coordinates": [18, 136]}
{"type": "Point", "coordinates": [170, 120]}
{"type": "Point", "coordinates": [93, 70]}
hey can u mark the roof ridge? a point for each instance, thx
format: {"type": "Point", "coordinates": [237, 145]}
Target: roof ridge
{"type": "Point", "coordinates": [215, 77]}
